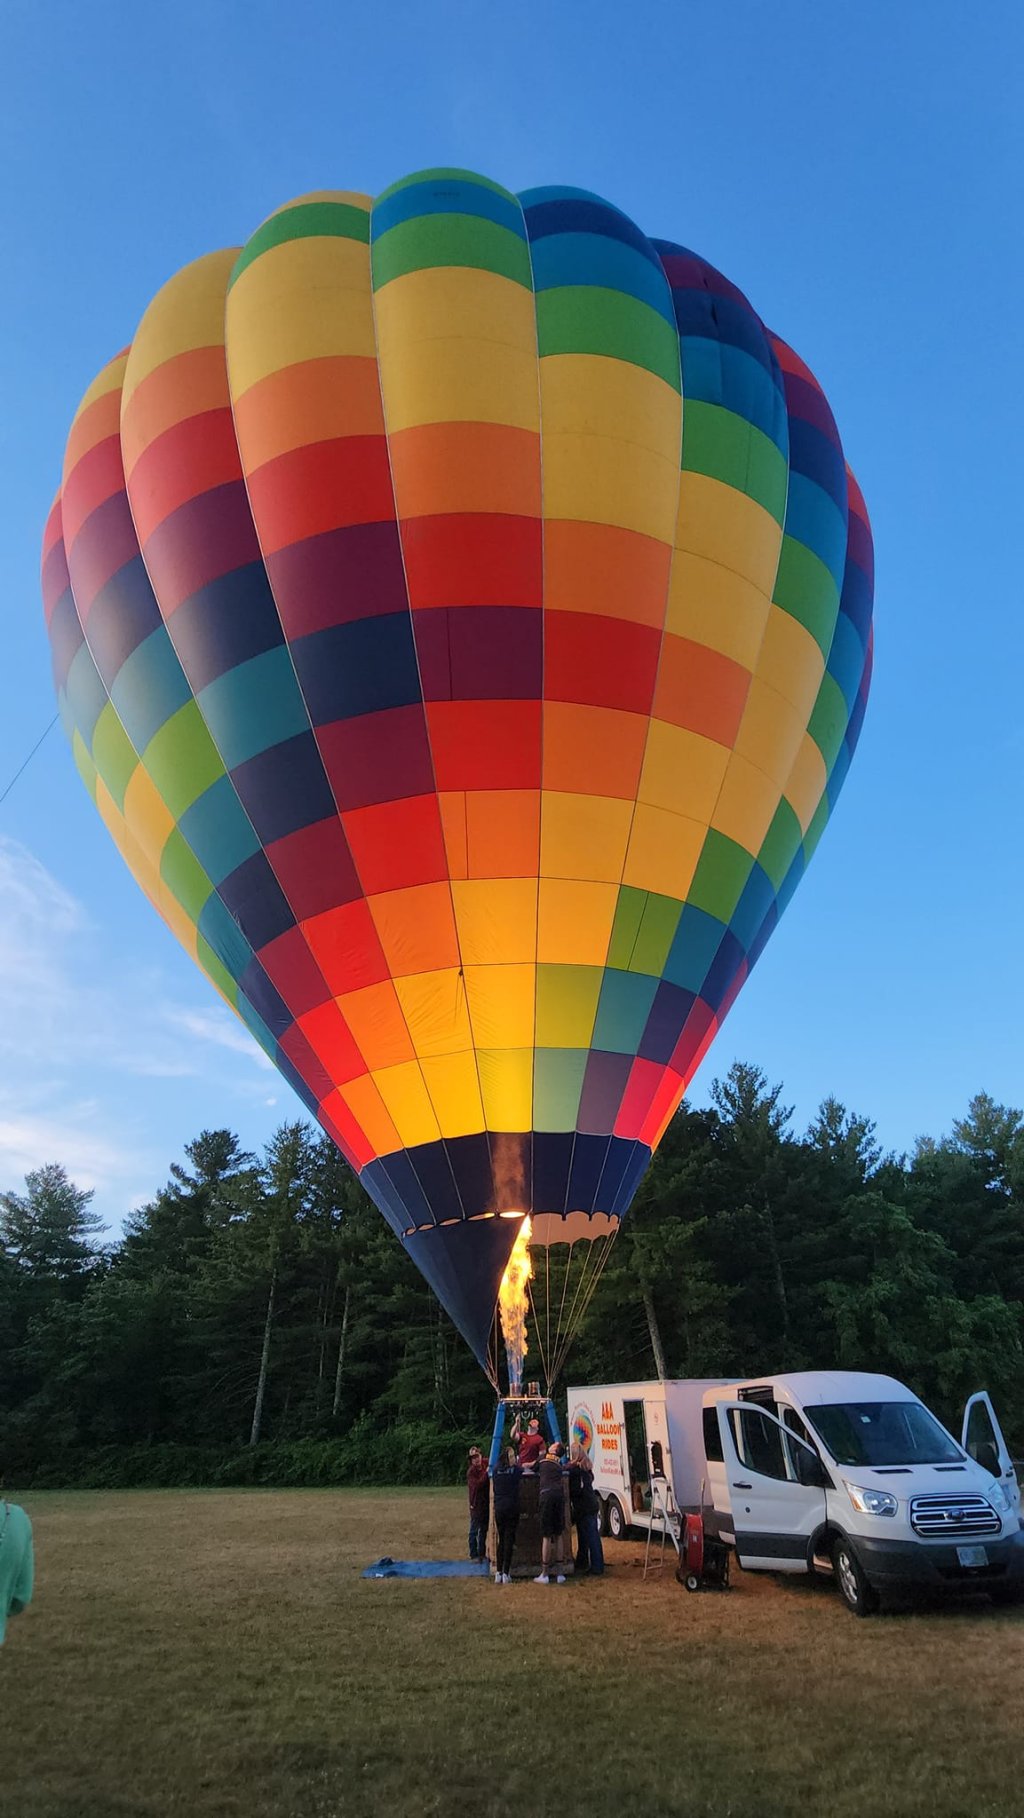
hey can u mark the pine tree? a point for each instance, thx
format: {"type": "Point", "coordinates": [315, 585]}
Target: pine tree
{"type": "Point", "coordinates": [48, 1230]}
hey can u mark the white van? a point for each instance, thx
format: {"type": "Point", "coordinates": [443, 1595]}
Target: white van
{"type": "Point", "coordinates": [830, 1471]}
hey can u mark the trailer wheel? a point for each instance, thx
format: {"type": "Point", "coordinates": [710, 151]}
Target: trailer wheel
{"type": "Point", "coordinates": [691, 1581]}
{"type": "Point", "coordinates": [854, 1588]}
{"type": "Point", "coordinates": [615, 1519]}
{"type": "Point", "coordinates": [602, 1516]}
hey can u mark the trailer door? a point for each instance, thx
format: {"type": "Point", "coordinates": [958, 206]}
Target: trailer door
{"type": "Point", "coordinates": [638, 1458]}
{"type": "Point", "coordinates": [774, 1513]}
{"type": "Point", "coordinates": [659, 1451]}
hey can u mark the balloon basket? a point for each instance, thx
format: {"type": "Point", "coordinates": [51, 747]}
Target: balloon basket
{"type": "Point", "coordinates": [527, 1560]}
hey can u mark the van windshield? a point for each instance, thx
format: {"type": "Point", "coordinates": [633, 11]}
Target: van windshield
{"type": "Point", "coordinates": [883, 1433]}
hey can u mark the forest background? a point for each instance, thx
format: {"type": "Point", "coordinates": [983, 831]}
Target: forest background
{"type": "Point", "coordinates": [258, 1322]}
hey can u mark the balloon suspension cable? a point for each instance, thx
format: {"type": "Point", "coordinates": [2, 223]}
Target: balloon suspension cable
{"type": "Point", "coordinates": [599, 1250]}
{"type": "Point", "coordinates": [553, 1337]}
{"type": "Point", "coordinates": [542, 1326]}
{"type": "Point", "coordinates": [560, 1321]}
{"type": "Point", "coordinates": [537, 1328]}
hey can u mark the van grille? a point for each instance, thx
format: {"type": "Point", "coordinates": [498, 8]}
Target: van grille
{"type": "Point", "coordinates": [952, 1516]}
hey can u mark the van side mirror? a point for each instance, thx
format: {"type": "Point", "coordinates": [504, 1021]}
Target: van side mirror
{"type": "Point", "coordinates": [809, 1469]}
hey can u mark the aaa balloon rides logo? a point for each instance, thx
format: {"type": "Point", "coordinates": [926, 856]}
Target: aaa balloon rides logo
{"type": "Point", "coordinates": [460, 612]}
{"type": "Point", "coordinates": [582, 1428]}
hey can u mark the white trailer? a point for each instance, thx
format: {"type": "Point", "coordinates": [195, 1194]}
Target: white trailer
{"type": "Point", "coordinates": [645, 1441]}
{"type": "Point", "coordinates": [838, 1472]}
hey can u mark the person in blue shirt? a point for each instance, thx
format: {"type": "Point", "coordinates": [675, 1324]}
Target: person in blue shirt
{"type": "Point", "coordinates": [17, 1564]}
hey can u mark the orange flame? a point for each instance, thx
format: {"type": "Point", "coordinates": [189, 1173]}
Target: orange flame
{"type": "Point", "coordinates": [513, 1300]}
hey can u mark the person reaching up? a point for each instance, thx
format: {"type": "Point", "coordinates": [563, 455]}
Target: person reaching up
{"type": "Point", "coordinates": [531, 1444]}
{"type": "Point", "coordinates": [551, 1501]}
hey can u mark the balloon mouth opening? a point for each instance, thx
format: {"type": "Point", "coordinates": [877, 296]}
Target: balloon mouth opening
{"type": "Point", "coordinates": [514, 1301]}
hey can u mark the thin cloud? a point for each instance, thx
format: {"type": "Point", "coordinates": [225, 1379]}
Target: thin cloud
{"type": "Point", "coordinates": [47, 948]}
{"type": "Point", "coordinates": [74, 1014]}
{"type": "Point", "coordinates": [219, 1028]}
{"type": "Point", "coordinates": [44, 934]}
{"type": "Point", "coordinates": [38, 921]}
{"type": "Point", "coordinates": [93, 1160]}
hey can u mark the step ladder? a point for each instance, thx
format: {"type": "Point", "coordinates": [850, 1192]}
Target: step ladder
{"type": "Point", "coordinates": [670, 1527]}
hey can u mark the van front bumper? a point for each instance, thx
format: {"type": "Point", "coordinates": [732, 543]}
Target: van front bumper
{"type": "Point", "coordinates": [931, 1565]}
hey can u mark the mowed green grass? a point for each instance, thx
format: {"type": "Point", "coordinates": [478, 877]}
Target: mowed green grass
{"type": "Point", "coordinates": [219, 1653]}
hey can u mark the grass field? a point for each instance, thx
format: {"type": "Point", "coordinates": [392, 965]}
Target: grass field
{"type": "Point", "coordinates": [218, 1653]}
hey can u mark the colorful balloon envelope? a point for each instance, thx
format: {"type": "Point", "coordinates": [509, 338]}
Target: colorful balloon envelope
{"type": "Point", "coordinates": [461, 614]}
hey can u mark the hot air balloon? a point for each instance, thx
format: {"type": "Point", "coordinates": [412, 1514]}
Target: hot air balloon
{"type": "Point", "coordinates": [461, 615]}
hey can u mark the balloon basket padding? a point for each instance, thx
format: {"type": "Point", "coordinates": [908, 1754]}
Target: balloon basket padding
{"type": "Point", "coordinates": [527, 1560]}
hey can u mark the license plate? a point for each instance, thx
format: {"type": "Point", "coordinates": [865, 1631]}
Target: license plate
{"type": "Point", "coordinates": [972, 1556]}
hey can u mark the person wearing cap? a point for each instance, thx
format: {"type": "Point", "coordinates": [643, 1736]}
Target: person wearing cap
{"type": "Point", "coordinates": [17, 1565]}
{"type": "Point", "coordinates": [531, 1445]}
{"type": "Point", "coordinates": [478, 1487]}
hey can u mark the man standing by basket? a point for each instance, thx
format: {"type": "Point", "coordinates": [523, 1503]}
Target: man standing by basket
{"type": "Point", "coordinates": [478, 1488]}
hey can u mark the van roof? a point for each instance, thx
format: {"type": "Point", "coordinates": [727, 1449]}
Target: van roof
{"type": "Point", "coordinates": [811, 1387]}
{"type": "Point", "coordinates": [819, 1387]}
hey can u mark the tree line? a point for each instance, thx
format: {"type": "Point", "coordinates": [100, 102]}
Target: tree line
{"type": "Point", "coordinates": [258, 1321]}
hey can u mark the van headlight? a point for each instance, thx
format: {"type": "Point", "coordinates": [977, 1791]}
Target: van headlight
{"type": "Point", "coordinates": [871, 1502]}
{"type": "Point", "coordinates": [1001, 1497]}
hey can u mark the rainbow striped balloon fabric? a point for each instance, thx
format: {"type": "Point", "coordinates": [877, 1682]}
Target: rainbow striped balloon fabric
{"type": "Point", "coordinates": [461, 614]}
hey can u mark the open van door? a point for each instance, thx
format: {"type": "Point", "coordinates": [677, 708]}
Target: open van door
{"type": "Point", "coordinates": [982, 1439]}
{"type": "Point", "coordinates": [776, 1488]}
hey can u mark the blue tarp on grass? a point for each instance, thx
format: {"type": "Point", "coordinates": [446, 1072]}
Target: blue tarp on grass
{"type": "Point", "coordinates": [426, 1568]}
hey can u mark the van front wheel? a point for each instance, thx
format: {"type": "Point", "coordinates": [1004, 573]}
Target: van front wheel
{"type": "Point", "coordinates": [854, 1588]}
{"type": "Point", "coordinates": [615, 1520]}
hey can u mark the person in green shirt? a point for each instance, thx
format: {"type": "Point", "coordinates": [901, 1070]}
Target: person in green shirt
{"type": "Point", "coordinates": [17, 1565]}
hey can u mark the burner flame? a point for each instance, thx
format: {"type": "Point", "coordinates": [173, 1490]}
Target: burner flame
{"type": "Point", "coordinates": [513, 1301]}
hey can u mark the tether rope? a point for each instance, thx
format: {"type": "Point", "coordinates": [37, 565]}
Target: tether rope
{"type": "Point", "coordinates": [23, 766]}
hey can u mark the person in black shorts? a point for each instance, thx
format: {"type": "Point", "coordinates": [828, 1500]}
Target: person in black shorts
{"type": "Point", "coordinates": [552, 1513]}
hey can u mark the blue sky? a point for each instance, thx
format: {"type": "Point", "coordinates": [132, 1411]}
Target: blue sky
{"type": "Point", "coordinates": [857, 171]}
